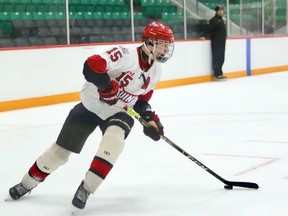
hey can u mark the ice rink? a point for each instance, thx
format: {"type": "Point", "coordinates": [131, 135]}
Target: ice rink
{"type": "Point", "coordinates": [238, 128]}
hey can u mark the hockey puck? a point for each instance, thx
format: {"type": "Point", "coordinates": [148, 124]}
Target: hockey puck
{"type": "Point", "coordinates": [228, 187]}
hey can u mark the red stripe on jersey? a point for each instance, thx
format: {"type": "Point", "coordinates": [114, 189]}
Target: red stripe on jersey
{"type": "Point", "coordinates": [146, 97]}
{"type": "Point", "coordinates": [97, 64]}
{"type": "Point", "coordinates": [100, 167]}
{"type": "Point", "coordinates": [37, 174]}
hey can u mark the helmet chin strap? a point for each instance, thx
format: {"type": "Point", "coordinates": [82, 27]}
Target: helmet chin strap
{"type": "Point", "coordinates": [151, 53]}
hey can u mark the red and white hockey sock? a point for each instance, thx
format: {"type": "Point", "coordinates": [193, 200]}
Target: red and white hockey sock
{"type": "Point", "coordinates": [37, 174]}
{"type": "Point", "coordinates": [100, 167]}
{"type": "Point", "coordinates": [111, 146]}
{"type": "Point", "coordinates": [98, 171]}
{"type": "Point", "coordinates": [47, 163]}
{"type": "Point", "coordinates": [33, 177]}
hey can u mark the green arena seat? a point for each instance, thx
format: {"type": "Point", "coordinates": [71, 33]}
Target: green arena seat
{"type": "Point", "coordinates": [38, 15]}
{"type": "Point", "coordinates": [163, 3]}
{"type": "Point", "coordinates": [101, 2]}
{"type": "Point", "coordinates": [98, 15]}
{"type": "Point", "coordinates": [7, 28]}
{"type": "Point", "coordinates": [20, 8]}
{"type": "Point", "coordinates": [61, 8]}
{"type": "Point", "coordinates": [107, 15]}
{"type": "Point", "coordinates": [42, 7]}
{"type": "Point", "coordinates": [49, 15]}
{"type": "Point", "coordinates": [138, 15]}
{"type": "Point", "coordinates": [27, 16]}
{"type": "Point", "coordinates": [31, 7]}
{"type": "Point", "coordinates": [15, 16]}
{"type": "Point", "coordinates": [125, 15]}
{"type": "Point", "coordinates": [88, 15]}
{"type": "Point", "coordinates": [79, 15]}
{"type": "Point", "coordinates": [52, 8]}
{"type": "Point", "coordinates": [145, 3]}
{"type": "Point", "coordinates": [60, 15]}
{"type": "Point", "coordinates": [8, 7]}
{"type": "Point", "coordinates": [86, 2]}
{"type": "Point", "coordinates": [4, 16]}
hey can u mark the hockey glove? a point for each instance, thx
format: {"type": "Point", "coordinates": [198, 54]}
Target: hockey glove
{"type": "Point", "coordinates": [110, 96]}
{"type": "Point", "coordinates": [156, 128]}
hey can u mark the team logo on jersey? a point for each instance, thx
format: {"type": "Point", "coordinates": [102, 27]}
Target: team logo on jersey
{"type": "Point", "coordinates": [124, 50]}
{"type": "Point", "coordinates": [146, 84]}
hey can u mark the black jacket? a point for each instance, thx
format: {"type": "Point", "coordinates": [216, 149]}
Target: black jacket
{"type": "Point", "coordinates": [216, 29]}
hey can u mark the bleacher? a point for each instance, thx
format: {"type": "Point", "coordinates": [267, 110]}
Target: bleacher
{"type": "Point", "coordinates": [43, 22]}
{"type": "Point", "coordinates": [251, 12]}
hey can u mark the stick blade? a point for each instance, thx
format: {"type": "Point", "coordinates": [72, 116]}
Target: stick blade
{"type": "Point", "coordinates": [251, 185]}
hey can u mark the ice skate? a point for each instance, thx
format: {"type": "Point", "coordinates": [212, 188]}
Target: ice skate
{"type": "Point", "coordinates": [80, 197]}
{"type": "Point", "coordinates": [18, 191]}
{"type": "Point", "coordinates": [220, 78]}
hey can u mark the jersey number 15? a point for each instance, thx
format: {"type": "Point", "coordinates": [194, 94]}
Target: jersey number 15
{"type": "Point", "coordinates": [115, 54]}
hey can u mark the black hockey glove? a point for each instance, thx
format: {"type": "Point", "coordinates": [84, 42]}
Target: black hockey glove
{"type": "Point", "coordinates": [110, 95]}
{"type": "Point", "coordinates": [156, 128]}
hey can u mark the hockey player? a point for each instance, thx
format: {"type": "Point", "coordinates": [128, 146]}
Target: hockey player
{"type": "Point", "coordinates": [121, 76]}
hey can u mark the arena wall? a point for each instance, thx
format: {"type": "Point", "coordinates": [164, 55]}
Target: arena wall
{"type": "Point", "coordinates": [39, 76]}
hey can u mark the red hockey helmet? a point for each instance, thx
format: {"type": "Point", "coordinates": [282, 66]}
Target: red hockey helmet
{"type": "Point", "coordinates": [161, 38]}
{"type": "Point", "coordinates": [158, 31]}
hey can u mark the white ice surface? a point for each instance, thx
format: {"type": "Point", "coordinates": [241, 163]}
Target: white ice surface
{"type": "Point", "coordinates": [238, 128]}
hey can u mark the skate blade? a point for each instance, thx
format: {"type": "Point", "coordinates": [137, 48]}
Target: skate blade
{"type": "Point", "coordinates": [76, 211]}
{"type": "Point", "coordinates": [8, 199]}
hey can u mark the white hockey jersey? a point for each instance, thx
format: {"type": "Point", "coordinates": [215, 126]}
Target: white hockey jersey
{"type": "Point", "coordinates": [123, 66]}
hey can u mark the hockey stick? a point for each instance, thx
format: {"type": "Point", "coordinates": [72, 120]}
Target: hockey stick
{"type": "Point", "coordinates": [228, 184]}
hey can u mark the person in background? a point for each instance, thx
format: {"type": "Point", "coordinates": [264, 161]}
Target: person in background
{"type": "Point", "coordinates": [120, 77]}
{"type": "Point", "coordinates": [217, 34]}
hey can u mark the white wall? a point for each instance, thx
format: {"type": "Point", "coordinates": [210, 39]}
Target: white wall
{"type": "Point", "coordinates": [269, 52]}
{"type": "Point", "coordinates": [29, 73]}
{"type": "Point", "coordinates": [235, 55]}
